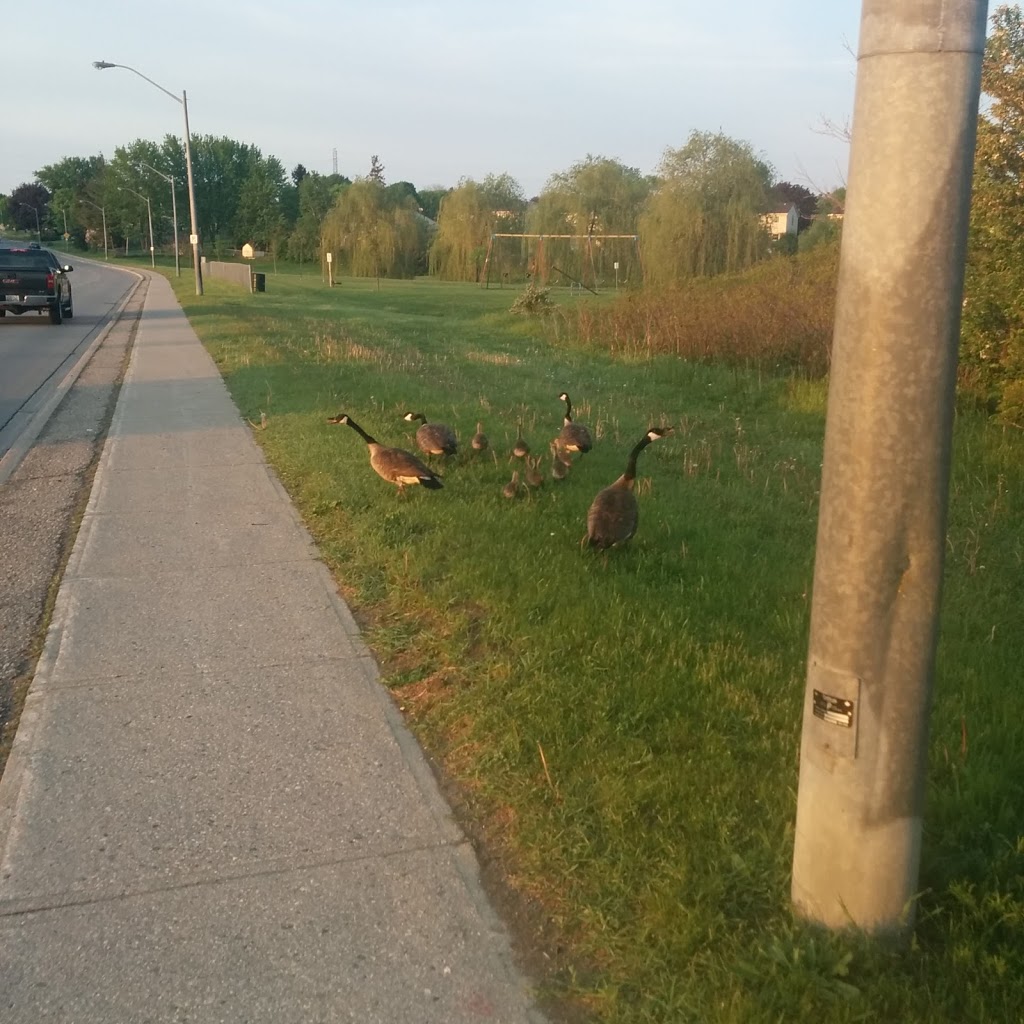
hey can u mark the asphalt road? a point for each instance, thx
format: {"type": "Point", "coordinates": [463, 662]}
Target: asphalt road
{"type": "Point", "coordinates": [35, 354]}
{"type": "Point", "coordinates": [42, 495]}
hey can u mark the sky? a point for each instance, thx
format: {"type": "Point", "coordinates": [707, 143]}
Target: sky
{"type": "Point", "coordinates": [440, 90]}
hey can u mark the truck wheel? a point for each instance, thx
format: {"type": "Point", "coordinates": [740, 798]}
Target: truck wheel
{"type": "Point", "coordinates": [56, 316]}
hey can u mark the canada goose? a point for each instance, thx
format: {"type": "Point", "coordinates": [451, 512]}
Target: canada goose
{"type": "Point", "coordinates": [573, 437]}
{"type": "Point", "coordinates": [433, 438]}
{"type": "Point", "coordinates": [395, 465]}
{"type": "Point", "coordinates": [511, 489]}
{"type": "Point", "coordinates": [614, 514]}
{"type": "Point", "coordinates": [479, 442]}
{"type": "Point", "coordinates": [559, 463]}
{"type": "Point", "coordinates": [534, 477]}
{"type": "Point", "coordinates": [520, 449]}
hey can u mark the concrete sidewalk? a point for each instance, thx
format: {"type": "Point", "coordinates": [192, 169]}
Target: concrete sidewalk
{"type": "Point", "coordinates": [212, 810]}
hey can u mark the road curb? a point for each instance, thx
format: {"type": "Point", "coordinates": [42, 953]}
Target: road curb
{"type": "Point", "coordinates": [23, 442]}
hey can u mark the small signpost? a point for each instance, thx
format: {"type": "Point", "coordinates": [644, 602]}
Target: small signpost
{"type": "Point", "coordinates": [330, 270]}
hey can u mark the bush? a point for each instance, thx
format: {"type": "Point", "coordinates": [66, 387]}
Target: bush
{"type": "Point", "coordinates": [533, 301]}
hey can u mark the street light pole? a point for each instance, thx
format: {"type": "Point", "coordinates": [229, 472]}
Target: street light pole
{"type": "Point", "coordinates": [102, 65]}
{"type": "Point", "coordinates": [103, 214]}
{"type": "Point", "coordinates": [39, 233]}
{"type": "Point", "coordinates": [149, 209]}
{"type": "Point", "coordinates": [174, 214]}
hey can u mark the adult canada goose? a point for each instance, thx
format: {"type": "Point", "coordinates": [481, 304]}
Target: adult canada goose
{"type": "Point", "coordinates": [520, 449]}
{"type": "Point", "coordinates": [614, 514]}
{"type": "Point", "coordinates": [479, 442]}
{"type": "Point", "coordinates": [573, 437]}
{"type": "Point", "coordinates": [433, 438]}
{"type": "Point", "coordinates": [511, 489]}
{"type": "Point", "coordinates": [395, 465]}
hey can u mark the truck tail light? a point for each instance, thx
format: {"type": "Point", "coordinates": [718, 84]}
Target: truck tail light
{"type": "Point", "coordinates": [49, 282]}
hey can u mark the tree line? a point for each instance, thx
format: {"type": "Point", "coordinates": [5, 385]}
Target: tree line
{"type": "Point", "coordinates": [700, 213]}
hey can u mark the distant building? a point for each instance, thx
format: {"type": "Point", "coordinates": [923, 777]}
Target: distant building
{"type": "Point", "coordinates": [783, 219]}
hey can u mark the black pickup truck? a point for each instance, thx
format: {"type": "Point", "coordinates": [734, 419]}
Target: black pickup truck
{"type": "Point", "coordinates": [34, 279]}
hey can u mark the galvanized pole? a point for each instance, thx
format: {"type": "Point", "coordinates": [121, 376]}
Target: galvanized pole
{"type": "Point", "coordinates": [102, 65]}
{"type": "Point", "coordinates": [194, 237]}
{"type": "Point", "coordinates": [174, 215]}
{"type": "Point", "coordinates": [881, 528]}
{"type": "Point", "coordinates": [174, 220]}
{"type": "Point", "coordinates": [152, 247]}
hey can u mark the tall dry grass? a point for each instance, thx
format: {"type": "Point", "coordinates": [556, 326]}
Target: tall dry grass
{"type": "Point", "coordinates": [777, 315]}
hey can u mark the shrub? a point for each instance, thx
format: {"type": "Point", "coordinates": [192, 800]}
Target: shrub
{"type": "Point", "coordinates": [533, 301]}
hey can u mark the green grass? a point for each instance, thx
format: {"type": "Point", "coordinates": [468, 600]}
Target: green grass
{"type": "Point", "coordinates": [622, 731]}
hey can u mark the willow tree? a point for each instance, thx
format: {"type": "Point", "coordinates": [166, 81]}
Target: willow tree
{"type": "Point", "coordinates": [468, 215]}
{"type": "Point", "coordinates": [596, 196]}
{"type": "Point", "coordinates": [374, 234]}
{"type": "Point", "coordinates": [464, 225]}
{"type": "Point", "coordinates": [706, 215]}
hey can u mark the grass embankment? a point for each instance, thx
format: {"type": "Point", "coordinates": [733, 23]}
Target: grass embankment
{"type": "Point", "coordinates": [624, 730]}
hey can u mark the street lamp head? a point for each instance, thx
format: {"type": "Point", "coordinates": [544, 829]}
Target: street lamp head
{"type": "Point", "coordinates": [101, 65]}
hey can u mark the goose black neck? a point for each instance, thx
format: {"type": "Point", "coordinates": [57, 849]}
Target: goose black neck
{"type": "Point", "coordinates": [568, 409]}
{"type": "Point", "coordinates": [630, 473]}
{"type": "Point", "coordinates": [362, 433]}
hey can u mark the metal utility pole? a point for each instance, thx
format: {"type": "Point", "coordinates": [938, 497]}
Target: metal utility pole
{"type": "Point", "coordinates": [149, 210]}
{"type": "Point", "coordinates": [882, 524]}
{"type": "Point", "coordinates": [174, 215]}
{"type": "Point", "coordinates": [102, 65]}
{"type": "Point", "coordinates": [39, 230]}
{"type": "Point", "coordinates": [103, 214]}
{"type": "Point", "coordinates": [194, 236]}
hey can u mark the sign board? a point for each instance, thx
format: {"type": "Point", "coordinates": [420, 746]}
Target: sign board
{"type": "Point", "coordinates": [193, 239]}
{"type": "Point", "coordinates": [330, 258]}
{"type": "Point", "coordinates": [247, 252]}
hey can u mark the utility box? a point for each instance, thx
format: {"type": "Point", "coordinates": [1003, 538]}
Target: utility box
{"type": "Point", "coordinates": [259, 282]}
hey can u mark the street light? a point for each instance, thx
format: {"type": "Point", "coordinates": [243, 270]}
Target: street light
{"type": "Point", "coordinates": [39, 233]}
{"type": "Point", "coordinates": [174, 213]}
{"type": "Point", "coordinates": [103, 214]}
{"type": "Point", "coordinates": [102, 65]}
{"type": "Point", "coordinates": [149, 208]}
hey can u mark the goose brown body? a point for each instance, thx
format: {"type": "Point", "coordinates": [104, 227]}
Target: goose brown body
{"type": "Point", "coordinates": [479, 442]}
{"type": "Point", "coordinates": [573, 437]}
{"type": "Point", "coordinates": [614, 514]}
{"type": "Point", "coordinates": [560, 462]}
{"type": "Point", "coordinates": [511, 489]}
{"type": "Point", "coordinates": [520, 449]}
{"type": "Point", "coordinates": [395, 465]}
{"type": "Point", "coordinates": [433, 438]}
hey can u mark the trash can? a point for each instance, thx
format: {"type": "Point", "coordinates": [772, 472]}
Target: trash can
{"type": "Point", "coordinates": [259, 282]}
